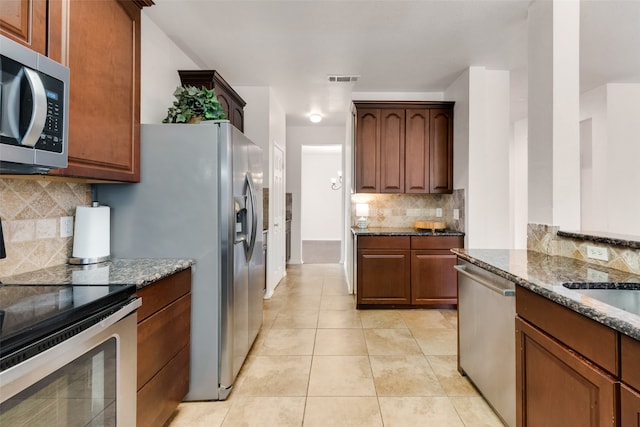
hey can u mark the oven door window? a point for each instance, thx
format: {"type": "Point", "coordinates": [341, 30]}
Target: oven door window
{"type": "Point", "coordinates": [81, 393]}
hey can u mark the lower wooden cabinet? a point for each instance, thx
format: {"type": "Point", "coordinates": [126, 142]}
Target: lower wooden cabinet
{"type": "Point", "coordinates": [433, 279]}
{"type": "Point", "coordinates": [407, 271]}
{"type": "Point", "coordinates": [557, 387]}
{"type": "Point", "coordinates": [164, 321]}
{"type": "Point", "coordinates": [629, 407]}
{"type": "Point", "coordinates": [384, 270]}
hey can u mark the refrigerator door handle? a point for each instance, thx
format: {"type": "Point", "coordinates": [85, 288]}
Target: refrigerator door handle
{"type": "Point", "coordinates": [254, 216]}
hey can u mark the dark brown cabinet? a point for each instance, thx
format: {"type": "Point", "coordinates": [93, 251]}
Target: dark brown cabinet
{"type": "Point", "coordinates": [406, 270]}
{"type": "Point", "coordinates": [232, 103]}
{"type": "Point", "coordinates": [433, 279]}
{"type": "Point", "coordinates": [629, 407]}
{"type": "Point", "coordinates": [441, 150]}
{"type": "Point", "coordinates": [25, 21]}
{"type": "Point", "coordinates": [164, 324]}
{"type": "Point", "coordinates": [384, 270]}
{"type": "Point", "coordinates": [404, 147]}
{"type": "Point", "coordinates": [566, 366]}
{"type": "Point", "coordinates": [557, 387]}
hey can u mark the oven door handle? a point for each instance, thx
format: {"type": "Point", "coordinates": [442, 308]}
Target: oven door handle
{"type": "Point", "coordinates": [19, 377]}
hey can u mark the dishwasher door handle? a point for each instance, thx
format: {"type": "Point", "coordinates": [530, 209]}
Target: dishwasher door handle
{"type": "Point", "coordinates": [505, 292]}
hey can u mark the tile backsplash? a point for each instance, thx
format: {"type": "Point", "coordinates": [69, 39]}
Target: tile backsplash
{"type": "Point", "coordinates": [401, 210]}
{"type": "Point", "coordinates": [31, 210]}
{"type": "Point", "coordinates": [544, 238]}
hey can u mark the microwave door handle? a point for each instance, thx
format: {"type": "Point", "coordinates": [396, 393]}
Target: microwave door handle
{"type": "Point", "coordinates": [39, 113]}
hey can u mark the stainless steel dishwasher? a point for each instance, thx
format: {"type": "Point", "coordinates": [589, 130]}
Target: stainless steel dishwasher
{"type": "Point", "coordinates": [486, 328]}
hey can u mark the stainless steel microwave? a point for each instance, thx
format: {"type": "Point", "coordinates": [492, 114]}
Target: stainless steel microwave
{"type": "Point", "coordinates": [34, 110]}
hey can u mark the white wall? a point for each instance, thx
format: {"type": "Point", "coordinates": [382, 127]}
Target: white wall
{"type": "Point", "coordinates": [458, 91]}
{"type": "Point", "coordinates": [160, 60]}
{"type": "Point", "coordinates": [321, 205]}
{"type": "Point", "coordinates": [297, 136]}
{"type": "Point", "coordinates": [481, 154]}
{"type": "Point", "coordinates": [518, 185]}
{"type": "Point", "coordinates": [623, 124]}
{"type": "Point", "coordinates": [489, 137]}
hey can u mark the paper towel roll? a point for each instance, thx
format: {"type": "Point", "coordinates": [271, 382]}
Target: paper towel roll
{"type": "Point", "coordinates": [92, 235]}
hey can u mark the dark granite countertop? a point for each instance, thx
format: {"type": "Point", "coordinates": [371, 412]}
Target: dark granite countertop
{"type": "Point", "coordinates": [622, 240]}
{"type": "Point", "coordinates": [402, 231]}
{"type": "Point", "coordinates": [141, 272]}
{"type": "Point", "coordinates": [545, 274]}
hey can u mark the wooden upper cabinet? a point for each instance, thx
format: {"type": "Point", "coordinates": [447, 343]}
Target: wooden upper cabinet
{"type": "Point", "coordinates": [25, 21]}
{"type": "Point", "coordinates": [103, 55]}
{"type": "Point", "coordinates": [367, 151]}
{"type": "Point", "coordinates": [417, 151]}
{"type": "Point", "coordinates": [232, 103]}
{"type": "Point", "coordinates": [392, 151]}
{"type": "Point", "coordinates": [441, 147]}
{"type": "Point", "coordinates": [404, 147]}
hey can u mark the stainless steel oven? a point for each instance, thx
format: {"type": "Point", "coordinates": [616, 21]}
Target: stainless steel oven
{"type": "Point", "coordinates": [77, 365]}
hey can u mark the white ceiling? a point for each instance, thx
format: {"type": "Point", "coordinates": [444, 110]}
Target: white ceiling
{"type": "Point", "coordinates": [393, 45]}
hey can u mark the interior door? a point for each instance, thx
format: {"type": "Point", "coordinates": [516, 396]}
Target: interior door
{"type": "Point", "coordinates": [276, 248]}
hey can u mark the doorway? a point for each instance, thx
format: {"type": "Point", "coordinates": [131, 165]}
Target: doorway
{"type": "Point", "coordinates": [322, 204]}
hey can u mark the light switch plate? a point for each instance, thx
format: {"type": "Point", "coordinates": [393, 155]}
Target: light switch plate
{"type": "Point", "coordinates": [438, 212]}
{"type": "Point", "coordinates": [456, 214]}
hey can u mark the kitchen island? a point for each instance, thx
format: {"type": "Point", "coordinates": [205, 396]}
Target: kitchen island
{"type": "Point", "coordinates": [576, 349]}
{"type": "Point", "coordinates": [544, 275]}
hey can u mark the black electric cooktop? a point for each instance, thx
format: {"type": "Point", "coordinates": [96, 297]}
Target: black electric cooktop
{"type": "Point", "coordinates": [30, 313]}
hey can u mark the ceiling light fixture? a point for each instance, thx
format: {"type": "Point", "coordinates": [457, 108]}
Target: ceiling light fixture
{"type": "Point", "coordinates": [315, 118]}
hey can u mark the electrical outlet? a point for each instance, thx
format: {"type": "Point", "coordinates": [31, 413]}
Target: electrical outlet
{"type": "Point", "coordinates": [438, 212]}
{"type": "Point", "coordinates": [456, 214]}
{"type": "Point", "coordinates": [595, 252]}
{"type": "Point", "coordinates": [596, 275]}
{"type": "Point", "coordinates": [66, 226]}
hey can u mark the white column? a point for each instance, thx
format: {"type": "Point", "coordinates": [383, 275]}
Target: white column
{"type": "Point", "coordinates": [554, 101]}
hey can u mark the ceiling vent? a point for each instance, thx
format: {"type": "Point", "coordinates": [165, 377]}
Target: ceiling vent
{"type": "Point", "coordinates": [343, 78]}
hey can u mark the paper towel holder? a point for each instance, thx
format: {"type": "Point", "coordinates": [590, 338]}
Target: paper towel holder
{"type": "Point", "coordinates": [83, 259]}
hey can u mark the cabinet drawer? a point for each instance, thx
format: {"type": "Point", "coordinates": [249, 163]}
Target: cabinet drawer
{"type": "Point", "coordinates": [162, 293]}
{"type": "Point", "coordinates": [436, 242]}
{"type": "Point", "coordinates": [384, 242]}
{"type": "Point", "coordinates": [161, 396]}
{"type": "Point", "coordinates": [161, 336]}
{"type": "Point", "coordinates": [630, 355]}
{"type": "Point", "coordinates": [594, 341]}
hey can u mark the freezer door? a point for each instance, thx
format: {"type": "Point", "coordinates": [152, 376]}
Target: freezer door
{"type": "Point", "coordinates": [257, 261]}
{"type": "Point", "coordinates": [242, 307]}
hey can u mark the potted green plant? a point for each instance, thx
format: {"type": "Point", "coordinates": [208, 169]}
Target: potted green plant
{"type": "Point", "coordinates": [193, 105]}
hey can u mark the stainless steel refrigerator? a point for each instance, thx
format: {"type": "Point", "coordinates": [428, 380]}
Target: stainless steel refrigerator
{"type": "Point", "coordinates": [200, 197]}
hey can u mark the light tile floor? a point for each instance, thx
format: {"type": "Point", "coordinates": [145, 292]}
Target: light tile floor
{"type": "Point", "coordinates": [320, 362]}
